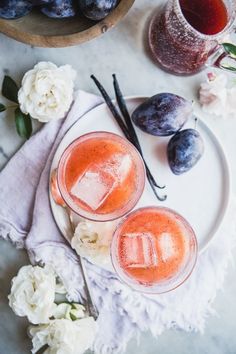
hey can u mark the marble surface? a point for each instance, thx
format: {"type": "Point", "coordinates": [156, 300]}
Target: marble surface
{"type": "Point", "coordinates": [122, 51]}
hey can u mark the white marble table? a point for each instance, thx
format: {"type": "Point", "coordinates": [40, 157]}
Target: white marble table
{"type": "Point", "coordinates": [120, 51]}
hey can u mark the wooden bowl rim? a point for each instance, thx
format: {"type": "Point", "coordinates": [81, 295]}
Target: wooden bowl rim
{"type": "Point", "coordinates": [61, 41]}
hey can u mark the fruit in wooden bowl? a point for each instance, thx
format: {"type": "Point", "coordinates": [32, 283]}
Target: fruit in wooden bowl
{"type": "Point", "coordinates": [97, 9]}
{"type": "Point", "coordinates": [36, 28]}
{"type": "Point", "coordinates": [60, 8]}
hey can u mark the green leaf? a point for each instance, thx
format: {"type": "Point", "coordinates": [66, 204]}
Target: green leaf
{"type": "Point", "coordinates": [230, 49]}
{"type": "Point", "coordinates": [228, 67]}
{"type": "Point", "coordinates": [73, 306]}
{"type": "Point", "coordinates": [10, 89]}
{"type": "Point", "coordinates": [73, 317]}
{"type": "Point", "coordinates": [23, 124]}
{"type": "Point", "coordinates": [2, 107]}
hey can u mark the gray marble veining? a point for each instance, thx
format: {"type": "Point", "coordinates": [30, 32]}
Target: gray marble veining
{"type": "Point", "coordinates": [121, 50]}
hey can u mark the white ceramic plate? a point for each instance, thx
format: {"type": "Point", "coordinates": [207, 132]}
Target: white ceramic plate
{"type": "Point", "coordinates": [201, 195]}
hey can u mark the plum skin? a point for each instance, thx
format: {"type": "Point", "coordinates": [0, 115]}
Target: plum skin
{"type": "Point", "coordinates": [41, 2]}
{"type": "Point", "coordinates": [97, 9]}
{"type": "Point", "coordinates": [184, 150]}
{"type": "Point", "coordinates": [59, 9]}
{"type": "Point", "coordinates": [13, 9]}
{"type": "Point", "coordinates": [163, 114]}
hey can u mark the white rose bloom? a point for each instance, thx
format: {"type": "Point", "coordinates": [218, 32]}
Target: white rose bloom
{"type": "Point", "coordinates": [213, 94]}
{"type": "Point", "coordinates": [64, 336]}
{"type": "Point", "coordinates": [46, 92]}
{"type": "Point", "coordinates": [93, 240]}
{"type": "Point", "coordinates": [32, 293]}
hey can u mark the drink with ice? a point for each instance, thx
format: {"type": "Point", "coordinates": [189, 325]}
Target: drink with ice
{"type": "Point", "coordinates": [101, 176]}
{"type": "Point", "coordinates": [154, 249]}
{"type": "Point", "coordinates": [93, 187]}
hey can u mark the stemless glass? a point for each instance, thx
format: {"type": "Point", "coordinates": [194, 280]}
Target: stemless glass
{"type": "Point", "coordinates": [154, 250]}
{"type": "Point", "coordinates": [100, 176]}
{"type": "Point", "coordinates": [181, 49]}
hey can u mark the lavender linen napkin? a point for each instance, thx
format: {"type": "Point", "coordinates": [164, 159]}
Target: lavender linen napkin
{"type": "Point", "coordinates": [26, 219]}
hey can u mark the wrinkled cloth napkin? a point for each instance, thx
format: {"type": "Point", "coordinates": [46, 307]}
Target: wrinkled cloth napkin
{"type": "Point", "coordinates": [26, 219]}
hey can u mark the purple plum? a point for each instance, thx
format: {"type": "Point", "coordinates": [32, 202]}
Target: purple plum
{"type": "Point", "coordinates": [184, 150]}
{"type": "Point", "coordinates": [97, 9]}
{"type": "Point", "coordinates": [163, 114]}
{"type": "Point", "coordinates": [12, 9]}
{"type": "Point", "coordinates": [41, 2]}
{"type": "Point", "coordinates": [60, 9]}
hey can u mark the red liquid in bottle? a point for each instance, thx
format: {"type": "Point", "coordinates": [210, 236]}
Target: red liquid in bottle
{"type": "Point", "coordinates": [206, 16]}
{"type": "Point", "coordinates": [176, 34]}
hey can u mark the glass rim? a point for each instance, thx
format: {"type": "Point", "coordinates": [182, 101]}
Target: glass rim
{"type": "Point", "coordinates": [141, 177]}
{"type": "Point", "coordinates": [156, 287]}
{"type": "Point", "coordinates": [230, 22]}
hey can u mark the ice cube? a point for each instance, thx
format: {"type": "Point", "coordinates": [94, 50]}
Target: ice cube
{"type": "Point", "coordinates": [124, 167]}
{"type": "Point", "coordinates": [139, 250]}
{"type": "Point", "coordinates": [119, 165]}
{"type": "Point", "coordinates": [94, 186]}
{"type": "Point", "coordinates": [167, 247]}
{"type": "Point", "coordinates": [99, 180]}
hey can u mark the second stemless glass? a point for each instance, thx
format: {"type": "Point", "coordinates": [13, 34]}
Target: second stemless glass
{"type": "Point", "coordinates": [154, 250]}
{"type": "Point", "coordinates": [178, 47]}
{"type": "Point", "coordinates": [100, 176]}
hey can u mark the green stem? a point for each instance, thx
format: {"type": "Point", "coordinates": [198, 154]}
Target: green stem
{"type": "Point", "coordinates": [12, 106]}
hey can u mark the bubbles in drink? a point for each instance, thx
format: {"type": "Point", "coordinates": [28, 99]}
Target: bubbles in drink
{"type": "Point", "coordinates": [139, 250]}
{"type": "Point", "coordinates": [119, 166]}
{"type": "Point", "coordinates": [167, 247]}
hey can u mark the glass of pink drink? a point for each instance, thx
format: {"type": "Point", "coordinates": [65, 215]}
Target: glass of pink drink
{"type": "Point", "coordinates": [185, 36]}
{"type": "Point", "coordinates": [100, 176]}
{"type": "Point", "coordinates": [154, 250]}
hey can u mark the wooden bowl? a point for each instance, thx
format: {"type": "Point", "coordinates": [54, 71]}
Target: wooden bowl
{"type": "Point", "coordinates": [38, 30]}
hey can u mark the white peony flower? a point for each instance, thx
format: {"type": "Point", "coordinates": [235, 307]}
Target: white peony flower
{"type": "Point", "coordinates": [32, 293]}
{"type": "Point", "coordinates": [64, 336]}
{"type": "Point", "coordinates": [93, 240]}
{"type": "Point", "coordinates": [213, 94]}
{"type": "Point", "coordinates": [46, 92]}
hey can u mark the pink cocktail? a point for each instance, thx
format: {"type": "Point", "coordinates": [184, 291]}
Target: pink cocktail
{"type": "Point", "coordinates": [154, 250]}
{"type": "Point", "coordinates": [101, 176]}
